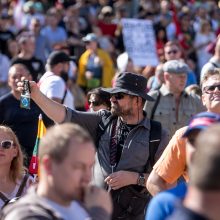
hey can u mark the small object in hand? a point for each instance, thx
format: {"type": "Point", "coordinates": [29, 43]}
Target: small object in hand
{"type": "Point", "coordinates": [25, 98]}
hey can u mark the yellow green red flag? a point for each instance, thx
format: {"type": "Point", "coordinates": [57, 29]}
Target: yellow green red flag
{"type": "Point", "coordinates": [33, 168]}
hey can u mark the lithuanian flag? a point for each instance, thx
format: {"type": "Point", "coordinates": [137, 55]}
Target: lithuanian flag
{"type": "Point", "coordinates": [33, 168]}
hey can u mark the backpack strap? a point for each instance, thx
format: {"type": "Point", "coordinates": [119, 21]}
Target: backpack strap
{"type": "Point", "coordinates": [23, 184]}
{"type": "Point", "coordinates": [155, 138]}
{"type": "Point", "coordinates": [155, 105]}
{"type": "Point", "coordinates": [4, 198]}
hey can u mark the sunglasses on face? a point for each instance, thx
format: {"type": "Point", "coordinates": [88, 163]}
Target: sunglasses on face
{"type": "Point", "coordinates": [172, 51]}
{"type": "Point", "coordinates": [118, 96]}
{"type": "Point", "coordinates": [211, 89]}
{"type": "Point", "coordinates": [6, 144]}
{"type": "Point", "coordinates": [94, 103]}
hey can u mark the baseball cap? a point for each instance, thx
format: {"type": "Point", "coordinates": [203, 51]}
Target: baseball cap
{"type": "Point", "coordinates": [57, 57]}
{"type": "Point", "coordinates": [201, 121]}
{"type": "Point", "coordinates": [175, 66]}
{"type": "Point", "coordinates": [90, 37]}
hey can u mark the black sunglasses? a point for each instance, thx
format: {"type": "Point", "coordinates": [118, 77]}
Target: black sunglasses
{"type": "Point", "coordinates": [210, 89]}
{"type": "Point", "coordinates": [172, 51]}
{"type": "Point", "coordinates": [118, 96]}
{"type": "Point", "coordinates": [94, 103]}
{"type": "Point", "coordinates": [6, 144]}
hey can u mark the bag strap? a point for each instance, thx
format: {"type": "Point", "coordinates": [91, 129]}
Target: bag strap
{"type": "Point", "coordinates": [154, 141]}
{"type": "Point", "coordinates": [155, 105]}
{"type": "Point", "coordinates": [43, 80]}
{"type": "Point", "coordinates": [214, 64]}
{"type": "Point", "coordinates": [64, 95]}
{"type": "Point", "coordinates": [23, 184]}
{"type": "Point", "coordinates": [4, 198]}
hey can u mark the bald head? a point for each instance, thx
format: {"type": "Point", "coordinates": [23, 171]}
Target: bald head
{"type": "Point", "coordinates": [19, 68]}
{"type": "Point", "coordinates": [16, 73]}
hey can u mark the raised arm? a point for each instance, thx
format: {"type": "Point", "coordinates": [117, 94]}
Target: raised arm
{"type": "Point", "coordinates": [52, 109]}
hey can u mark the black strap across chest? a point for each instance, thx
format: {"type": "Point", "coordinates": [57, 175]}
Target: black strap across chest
{"type": "Point", "coordinates": [19, 192]}
{"type": "Point", "coordinates": [155, 105]}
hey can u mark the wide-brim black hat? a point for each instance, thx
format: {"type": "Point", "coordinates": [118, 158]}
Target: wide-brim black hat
{"type": "Point", "coordinates": [132, 84]}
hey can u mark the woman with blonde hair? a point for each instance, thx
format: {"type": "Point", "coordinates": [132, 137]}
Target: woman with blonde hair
{"type": "Point", "coordinates": [14, 179]}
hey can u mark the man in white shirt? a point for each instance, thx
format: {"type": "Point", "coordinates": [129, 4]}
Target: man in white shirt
{"type": "Point", "coordinates": [53, 82]}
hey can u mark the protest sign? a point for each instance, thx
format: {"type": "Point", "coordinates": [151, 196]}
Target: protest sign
{"type": "Point", "coordinates": [139, 41]}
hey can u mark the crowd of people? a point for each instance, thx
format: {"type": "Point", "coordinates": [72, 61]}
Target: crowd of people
{"type": "Point", "coordinates": [123, 141]}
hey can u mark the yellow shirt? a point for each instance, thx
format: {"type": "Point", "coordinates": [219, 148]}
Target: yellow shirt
{"type": "Point", "coordinates": [107, 68]}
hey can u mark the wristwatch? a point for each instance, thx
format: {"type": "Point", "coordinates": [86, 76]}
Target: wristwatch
{"type": "Point", "coordinates": [141, 180]}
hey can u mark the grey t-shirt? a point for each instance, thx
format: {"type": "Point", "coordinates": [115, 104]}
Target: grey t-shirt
{"type": "Point", "coordinates": [74, 211]}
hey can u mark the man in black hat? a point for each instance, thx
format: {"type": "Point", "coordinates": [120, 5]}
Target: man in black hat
{"type": "Point", "coordinates": [122, 157]}
{"type": "Point", "coordinates": [53, 83]}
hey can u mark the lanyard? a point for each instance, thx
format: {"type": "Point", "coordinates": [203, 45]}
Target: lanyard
{"type": "Point", "coordinates": [113, 146]}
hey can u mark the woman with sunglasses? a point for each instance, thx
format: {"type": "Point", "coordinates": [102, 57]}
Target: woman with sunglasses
{"type": "Point", "coordinates": [98, 99]}
{"type": "Point", "coordinates": [13, 180]}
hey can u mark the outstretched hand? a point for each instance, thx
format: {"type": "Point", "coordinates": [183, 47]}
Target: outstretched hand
{"type": "Point", "coordinates": [33, 87]}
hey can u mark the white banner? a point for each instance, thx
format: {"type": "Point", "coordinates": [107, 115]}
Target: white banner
{"type": "Point", "coordinates": [139, 41]}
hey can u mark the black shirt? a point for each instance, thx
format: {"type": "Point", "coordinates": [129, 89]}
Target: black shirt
{"type": "Point", "coordinates": [4, 37]}
{"type": "Point", "coordinates": [23, 122]}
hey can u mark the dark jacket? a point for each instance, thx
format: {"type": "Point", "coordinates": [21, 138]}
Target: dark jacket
{"type": "Point", "coordinates": [135, 152]}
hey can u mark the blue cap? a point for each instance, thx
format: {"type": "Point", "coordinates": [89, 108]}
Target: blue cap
{"type": "Point", "coordinates": [201, 121]}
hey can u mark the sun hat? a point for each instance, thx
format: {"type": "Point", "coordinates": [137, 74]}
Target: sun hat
{"type": "Point", "coordinates": [132, 84]}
